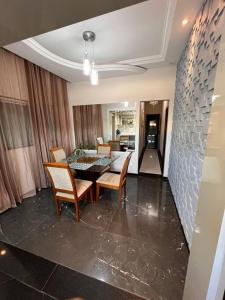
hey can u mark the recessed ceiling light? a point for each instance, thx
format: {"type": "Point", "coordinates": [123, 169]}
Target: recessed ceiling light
{"type": "Point", "coordinates": [3, 252]}
{"type": "Point", "coordinates": [184, 22]}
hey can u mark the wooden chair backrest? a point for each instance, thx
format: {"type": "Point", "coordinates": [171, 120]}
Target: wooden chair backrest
{"type": "Point", "coordinates": [61, 178]}
{"type": "Point", "coordinates": [104, 149]}
{"type": "Point", "coordinates": [125, 169]}
{"type": "Point", "coordinates": [58, 154]}
{"type": "Point", "coordinates": [115, 145]}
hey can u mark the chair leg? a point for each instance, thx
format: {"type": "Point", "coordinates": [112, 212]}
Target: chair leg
{"type": "Point", "coordinates": [77, 211]}
{"type": "Point", "coordinates": [58, 207]}
{"type": "Point", "coordinates": [97, 192]}
{"type": "Point", "coordinates": [120, 197]}
{"type": "Point", "coordinates": [125, 190]}
{"type": "Point", "coordinates": [86, 197]}
{"type": "Point", "coordinates": [91, 194]}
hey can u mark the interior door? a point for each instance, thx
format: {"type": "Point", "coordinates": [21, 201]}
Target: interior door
{"type": "Point", "coordinates": [152, 131]}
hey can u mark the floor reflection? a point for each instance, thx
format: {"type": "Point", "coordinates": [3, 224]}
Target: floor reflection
{"type": "Point", "coordinates": [139, 248]}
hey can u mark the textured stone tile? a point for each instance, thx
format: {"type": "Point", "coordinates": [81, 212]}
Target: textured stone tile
{"type": "Point", "coordinates": [194, 89]}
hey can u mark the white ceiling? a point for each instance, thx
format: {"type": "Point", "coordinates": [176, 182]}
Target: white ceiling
{"type": "Point", "coordinates": [148, 35]}
{"type": "Point", "coordinates": [124, 34]}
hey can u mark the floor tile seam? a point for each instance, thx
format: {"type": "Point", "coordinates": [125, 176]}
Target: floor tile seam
{"type": "Point", "coordinates": [5, 281]}
{"type": "Point", "coordinates": [106, 231]}
{"type": "Point", "coordinates": [10, 275]}
{"type": "Point", "coordinates": [49, 277]}
{"type": "Point", "coordinates": [58, 264]}
{"type": "Point", "coordinates": [4, 235]}
{"type": "Point", "coordinates": [13, 278]}
{"type": "Point", "coordinates": [96, 279]}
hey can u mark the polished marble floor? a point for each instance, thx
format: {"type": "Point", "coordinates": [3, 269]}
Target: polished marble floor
{"type": "Point", "coordinates": [150, 162]}
{"type": "Point", "coordinates": [25, 276]}
{"type": "Point", "coordinates": [139, 248]}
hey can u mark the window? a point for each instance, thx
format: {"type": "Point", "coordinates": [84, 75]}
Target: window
{"type": "Point", "coordinates": [15, 124]}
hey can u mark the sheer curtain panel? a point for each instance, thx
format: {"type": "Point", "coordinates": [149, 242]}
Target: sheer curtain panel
{"type": "Point", "coordinates": [34, 117]}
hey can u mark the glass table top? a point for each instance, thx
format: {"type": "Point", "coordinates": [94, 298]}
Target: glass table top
{"type": "Point", "coordinates": [86, 161]}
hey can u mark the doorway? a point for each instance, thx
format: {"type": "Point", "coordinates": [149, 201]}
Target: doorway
{"type": "Point", "coordinates": [152, 136]}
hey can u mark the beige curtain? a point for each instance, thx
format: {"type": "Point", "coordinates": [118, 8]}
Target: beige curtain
{"type": "Point", "coordinates": [50, 114]}
{"type": "Point", "coordinates": [34, 116]}
{"type": "Point", "coordinates": [8, 185]}
{"type": "Point", "coordinates": [18, 156]}
{"type": "Point", "coordinates": [88, 124]}
{"type": "Point", "coordinates": [13, 160]}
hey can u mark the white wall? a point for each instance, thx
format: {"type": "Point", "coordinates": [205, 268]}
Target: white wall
{"type": "Point", "coordinates": [155, 84]}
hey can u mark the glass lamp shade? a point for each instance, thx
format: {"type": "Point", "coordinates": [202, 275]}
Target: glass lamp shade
{"type": "Point", "coordinates": [94, 76]}
{"type": "Point", "coordinates": [86, 67]}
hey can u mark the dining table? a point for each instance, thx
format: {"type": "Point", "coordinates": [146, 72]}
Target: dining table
{"type": "Point", "coordinates": [89, 166]}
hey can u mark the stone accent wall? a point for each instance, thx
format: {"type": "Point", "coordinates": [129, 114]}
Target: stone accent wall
{"type": "Point", "coordinates": [193, 98]}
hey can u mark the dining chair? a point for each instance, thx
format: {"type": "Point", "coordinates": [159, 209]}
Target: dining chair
{"type": "Point", "coordinates": [115, 145]}
{"type": "Point", "coordinates": [66, 188]}
{"type": "Point", "coordinates": [104, 149]}
{"type": "Point", "coordinates": [99, 140]}
{"type": "Point", "coordinates": [114, 181]}
{"type": "Point", "coordinates": [58, 154]}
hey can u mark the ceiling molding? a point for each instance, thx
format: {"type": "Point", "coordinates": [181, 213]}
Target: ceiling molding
{"type": "Point", "coordinates": [171, 8]}
{"type": "Point", "coordinates": [38, 48]}
{"type": "Point", "coordinates": [135, 65]}
{"type": "Point", "coordinates": [168, 26]}
{"type": "Point", "coordinates": [143, 60]}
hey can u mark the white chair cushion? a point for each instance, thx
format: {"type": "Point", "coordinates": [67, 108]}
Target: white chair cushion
{"type": "Point", "coordinates": [59, 155]}
{"type": "Point", "coordinates": [65, 195]}
{"type": "Point", "coordinates": [117, 165]}
{"type": "Point", "coordinates": [61, 178]}
{"type": "Point", "coordinates": [104, 150]}
{"type": "Point", "coordinates": [109, 179]}
{"type": "Point", "coordinates": [81, 185]}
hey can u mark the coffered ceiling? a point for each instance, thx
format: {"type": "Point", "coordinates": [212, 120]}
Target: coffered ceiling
{"type": "Point", "coordinates": [128, 41]}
